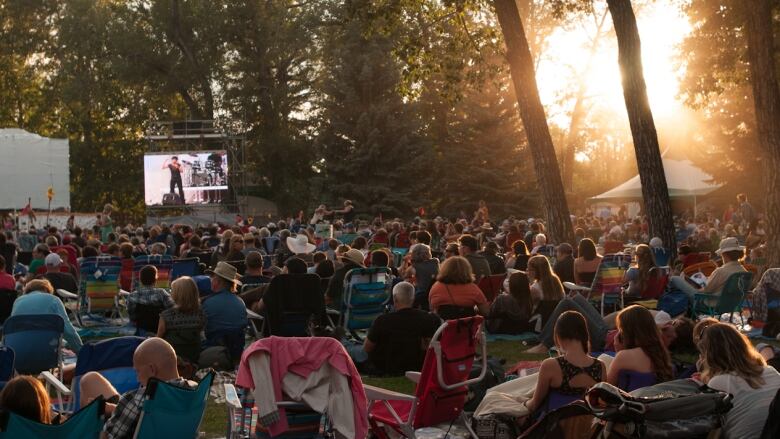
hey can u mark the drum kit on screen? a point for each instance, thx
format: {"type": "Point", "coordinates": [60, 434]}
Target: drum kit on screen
{"type": "Point", "coordinates": [200, 174]}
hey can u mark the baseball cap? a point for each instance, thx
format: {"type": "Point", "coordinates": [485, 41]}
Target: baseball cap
{"type": "Point", "coordinates": [52, 260]}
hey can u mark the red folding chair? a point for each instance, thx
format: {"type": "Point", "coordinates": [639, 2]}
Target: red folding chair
{"type": "Point", "coordinates": [442, 386]}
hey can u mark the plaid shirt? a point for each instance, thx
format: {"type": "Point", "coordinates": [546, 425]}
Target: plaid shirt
{"type": "Point", "coordinates": [122, 423]}
{"type": "Point", "coordinates": [148, 296]}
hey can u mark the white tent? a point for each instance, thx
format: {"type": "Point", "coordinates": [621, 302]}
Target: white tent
{"type": "Point", "coordinates": [683, 179]}
{"type": "Point", "coordinates": [30, 164]}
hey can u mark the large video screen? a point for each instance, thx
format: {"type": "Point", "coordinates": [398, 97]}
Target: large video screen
{"type": "Point", "coordinates": [172, 179]}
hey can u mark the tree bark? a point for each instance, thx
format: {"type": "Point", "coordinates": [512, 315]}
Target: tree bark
{"type": "Point", "coordinates": [548, 175]}
{"type": "Point", "coordinates": [648, 154]}
{"type": "Point", "coordinates": [766, 100]}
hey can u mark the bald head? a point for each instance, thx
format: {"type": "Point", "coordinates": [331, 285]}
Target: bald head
{"type": "Point", "coordinates": [155, 358]}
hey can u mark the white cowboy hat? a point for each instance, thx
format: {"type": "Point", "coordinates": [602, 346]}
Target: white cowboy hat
{"type": "Point", "coordinates": [225, 271]}
{"type": "Point", "coordinates": [729, 244]}
{"type": "Point", "coordinates": [300, 244]}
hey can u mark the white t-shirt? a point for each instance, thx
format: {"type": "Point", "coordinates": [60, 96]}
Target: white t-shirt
{"type": "Point", "coordinates": [750, 406]}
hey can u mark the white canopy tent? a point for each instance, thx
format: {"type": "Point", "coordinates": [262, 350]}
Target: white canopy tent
{"type": "Point", "coordinates": [30, 165]}
{"type": "Point", "coordinates": [683, 179]}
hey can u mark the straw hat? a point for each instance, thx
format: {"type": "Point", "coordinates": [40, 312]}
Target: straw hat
{"type": "Point", "coordinates": [225, 271]}
{"type": "Point", "coordinates": [355, 256]}
{"type": "Point", "coordinates": [729, 244]}
{"type": "Point", "coordinates": [300, 244]}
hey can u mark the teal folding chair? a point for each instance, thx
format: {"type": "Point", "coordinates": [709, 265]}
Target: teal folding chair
{"type": "Point", "coordinates": [728, 301]}
{"type": "Point", "coordinates": [87, 423]}
{"type": "Point", "coordinates": [172, 412]}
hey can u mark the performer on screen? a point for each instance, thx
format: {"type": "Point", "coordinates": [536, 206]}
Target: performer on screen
{"type": "Point", "coordinates": [175, 168]}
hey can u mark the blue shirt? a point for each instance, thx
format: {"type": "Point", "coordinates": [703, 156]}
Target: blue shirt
{"type": "Point", "coordinates": [37, 302]}
{"type": "Point", "coordinates": [224, 311]}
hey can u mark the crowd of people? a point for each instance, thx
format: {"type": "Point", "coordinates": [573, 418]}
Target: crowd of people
{"type": "Point", "coordinates": [437, 265]}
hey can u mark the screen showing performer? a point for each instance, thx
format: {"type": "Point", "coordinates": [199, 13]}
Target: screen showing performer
{"type": "Point", "coordinates": [185, 178]}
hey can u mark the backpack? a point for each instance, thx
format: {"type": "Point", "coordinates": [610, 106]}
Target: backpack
{"type": "Point", "coordinates": [572, 421]}
{"type": "Point", "coordinates": [493, 377]}
{"type": "Point", "coordinates": [674, 302]}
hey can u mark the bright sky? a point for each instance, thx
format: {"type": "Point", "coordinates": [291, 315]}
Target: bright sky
{"type": "Point", "coordinates": [661, 27]}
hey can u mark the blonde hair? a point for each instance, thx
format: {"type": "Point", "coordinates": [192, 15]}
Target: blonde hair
{"type": "Point", "coordinates": [184, 292]}
{"type": "Point", "coordinates": [724, 350]}
{"type": "Point", "coordinates": [42, 285]}
{"type": "Point", "coordinates": [552, 289]}
{"type": "Point", "coordinates": [455, 270]}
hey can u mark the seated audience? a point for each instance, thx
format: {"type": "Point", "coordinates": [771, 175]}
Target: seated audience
{"type": "Point", "coordinates": [518, 258]}
{"type": "Point", "coordinates": [510, 313]}
{"type": "Point", "coordinates": [253, 275]}
{"type": "Point", "coordinates": [38, 254]}
{"type": "Point", "coordinates": [469, 247]}
{"type": "Point", "coordinates": [421, 268]}
{"type": "Point", "coordinates": [350, 259]}
{"type": "Point", "coordinates": [182, 324]}
{"type": "Point", "coordinates": [640, 351]}
{"type": "Point", "coordinates": [564, 263]}
{"type": "Point", "coordinates": [397, 341]}
{"type": "Point", "coordinates": [7, 281]}
{"type": "Point", "coordinates": [731, 252]}
{"type": "Point", "coordinates": [495, 261]}
{"type": "Point", "coordinates": [153, 358]}
{"type": "Point", "coordinates": [294, 291]}
{"type": "Point", "coordinates": [59, 280]}
{"type": "Point", "coordinates": [729, 363]}
{"type": "Point", "coordinates": [540, 245]}
{"type": "Point", "coordinates": [25, 396]}
{"type": "Point", "coordinates": [147, 293]}
{"type": "Point", "coordinates": [225, 311]}
{"type": "Point", "coordinates": [587, 263]}
{"type": "Point", "coordinates": [454, 294]}
{"type": "Point", "coordinates": [38, 299]}
{"type": "Point", "coordinates": [571, 374]}
{"type": "Point", "coordinates": [639, 276]}
{"type": "Point", "coordinates": [325, 269]}
{"type": "Point", "coordinates": [546, 286]}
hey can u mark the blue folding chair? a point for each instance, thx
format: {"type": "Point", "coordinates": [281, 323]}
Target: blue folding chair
{"type": "Point", "coordinates": [185, 267]}
{"type": "Point", "coordinates": [113, 358]}
{"type": "Point", "coordinates": [86, 424]}
{"type": "Point", "coordinates": [366, 293]}
{"type": "Point", "coordinates": [6, 365]}
{"type": "Point", "coordinates": [172, 412]}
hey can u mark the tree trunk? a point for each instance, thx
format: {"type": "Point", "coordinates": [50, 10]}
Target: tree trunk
{"type": "Point", "coordinates": [548, 176]}
{"type": "Point", "coordinates": [648, 154]}
{"type": "Point", "coordinates": [766, 99]}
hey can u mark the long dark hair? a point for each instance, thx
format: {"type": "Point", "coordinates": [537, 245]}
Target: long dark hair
{"type": "Point", "coordinates": [587, 249]}
{"type": "Point", "coordinates": [638, 329]}
{"type": "Point", "coordinates": [645, 260]}
{"type": "Point", "coordinates": [520, 290]}
{"type": "Point", "coordinates": [571, 325]}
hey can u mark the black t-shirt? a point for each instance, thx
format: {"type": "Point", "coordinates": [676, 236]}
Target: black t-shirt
{"type": "Point", "coordinates": [349, 215]}
{"type": "Point", "coordinates": [62, 281]}
{"type": "Point", "coordinates": [175, 173]}
{"type": "Point", "coordinates": [398, 337]}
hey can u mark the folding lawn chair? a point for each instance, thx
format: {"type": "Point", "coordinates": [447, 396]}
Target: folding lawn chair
{"type": "Point", "coordinates": [86, 424]}
{"type": "Point", "coordinates": [7, 358]}
{"type": "Point", "coordinates": [607, 286]}
{"type": "Point", "coordinates": [7, 299]}
{"type": "Point", "coordinates": [185, 267]}
{"type": "Point", "coordinates": [98, 289]}
{"type": "Point", "coordinates": [172, 412]}
{"type": "Point", "coordinates": [706, 268]}
{"type": "Point", "coordinates": [163, 263]}
{"type": "Point", "coordinates": [36, 341]}
{"type": "Point", "coordinates": [112, 357]}
{"type": "Point", "coordinates": [366, 293]}
{"type": "Point", "coordinates": [728, 301]}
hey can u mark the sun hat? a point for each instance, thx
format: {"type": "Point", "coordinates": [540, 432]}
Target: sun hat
{"type": "Point", "coordinates": [225, 271]}
{"type": "Point", "coordinates": [52, 260]}
{"type": "Point", "coordinates": [355, 256]}
{"type": "Point", "coordinates": [728, 245]}
{"type": "Point", "coordinates": [300, 244]}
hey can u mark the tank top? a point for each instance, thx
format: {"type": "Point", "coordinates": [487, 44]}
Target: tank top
{"type": "Point", "coordinates": [569, 371]}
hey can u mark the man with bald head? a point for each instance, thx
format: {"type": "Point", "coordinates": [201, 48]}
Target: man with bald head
{"type": "Point", "coordinates": [154, 358]}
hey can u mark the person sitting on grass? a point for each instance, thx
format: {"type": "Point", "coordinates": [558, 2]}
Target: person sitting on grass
{"type": "Point", "coordinates": [572, 373]}
{"type": "Point", "coordinates": [153, 358]}
{"type": "Point", "coordinates": [147, 293]}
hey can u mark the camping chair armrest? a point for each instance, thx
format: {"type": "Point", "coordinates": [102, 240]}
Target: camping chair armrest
{"type": "Point", "coordinates": [413, 376]}
{"type": "Point", "coordinates": [231, 397]}
{"type": "Point", "coordinates": [380, 394]}
{"type": "Point", "coordinates": [123, 293]}
{"type": "Point", "coordinates": [65, 294]}
{"type": "Point", "coordinates": [50, 379]}
{"type": "Point", "coordinates": [573, 286]}
{"type": "Point", "coordinates": [332, 312]}
{"type": "Point", "coordinates": [253, 315]}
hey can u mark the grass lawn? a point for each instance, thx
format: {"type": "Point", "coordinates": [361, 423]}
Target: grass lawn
{"type": "Point", "coordinates": [215, 420]}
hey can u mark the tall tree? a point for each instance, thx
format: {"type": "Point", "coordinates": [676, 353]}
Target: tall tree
{"type": "Point", "coordinates": [766, 98]}
{"type": "Point", "coordinates": [548, 176]}
{"type": "Point", "coordinates": [648, 154]}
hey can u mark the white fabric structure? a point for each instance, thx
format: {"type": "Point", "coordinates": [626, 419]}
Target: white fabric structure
{"type": "Point", "coordinates": [683, 179]}
{"type": "Point", "coordinates": [30, 165]}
